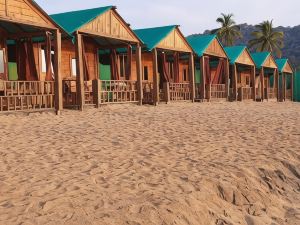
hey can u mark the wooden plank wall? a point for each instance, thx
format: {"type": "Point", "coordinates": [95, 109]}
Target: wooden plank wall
{"type": "Point", "coordinates": [110, 24]}
{"type": "Point", "coordinates": [174, 41]}
{"type": "Point", "coordinates": [22, 11]}
{"type": "Point", "coordinates": [68, 52]}
{"type": "Point", "coordinates": [245, 59]}
{"type": "Point", "coordinates": [216, 49]}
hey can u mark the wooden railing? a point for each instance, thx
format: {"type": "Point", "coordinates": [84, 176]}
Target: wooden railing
{"type": "Point", "coordinates": [118, 91]}
{"type": "Point", "coordinates": [198, 91]}
{"type": "Point", "coordinates": [272, 93]}
{"type": "Point", "coordinates": [247, 93]}
{"type": "Point", "coordinates": [180, 92]}
{"type": "Point", "coordinates": [69, 93]}
{"type": "Point", "coordinates": [288, 94]}
{"type": "Point", "coordinates": [148, 92]}
{"type": "Point", "coordinates": [218, 91]}
{"type": "Point", "coordinates": [26, 95]}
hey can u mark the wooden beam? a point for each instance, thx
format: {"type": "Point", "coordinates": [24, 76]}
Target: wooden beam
{"type": "Point", "coordinates": [262, 84]}
{"type": "Point", "coordinates": [227, 65]}
{"type": "Point", "coordinates": [155, 78]}
{"type": "Point", "coordinates": [284, 86]}
{"type": "Point", "coordinates": [139, 73]}
{"type": "Point", "coordinates": [234, 82]}
{"type": "Point", "coordinates": [202, 78]}
{"type": "Point", "coordinates": [192, 77]}
{"type": "Point", "coordinates": [292, 86]}
{"type": "Point", "coordinates": [80, 71]}
{"type": "Point", "coordinates": [57, 73]}
{"type": "Point", "coordinates": [253, 77]}
{"type": "Point", "coordinates": [27, 35]}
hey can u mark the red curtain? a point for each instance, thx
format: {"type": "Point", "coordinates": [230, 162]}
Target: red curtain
{"type": "Point", "coordinates": [207, 71]}
{"type": "Point", "coordinates": [218, 79]}
{"type": "Point", "coordinates": [114, 65]}
{"type": "Point", "coordinates": [129, 59]}
{"type": "Point", "coordinates": [49, 73]}
{"type": "Point", "coordinates": [26, 61]}
{"type": "Point", "coordinates": [85, 62]}
{"type": "Point", "coordinates": [165, 67]}
{"type": "Point", "coordinates": [176, 67]}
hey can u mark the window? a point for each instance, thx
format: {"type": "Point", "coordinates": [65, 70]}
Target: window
{"type": "Point", "coordinates": [44, 69]}
{"type": "Point", "coordinates": [247, 80]}
{"type": "Point", "coordinates": [1, 61]}
{"type": "Point", "coordinates": [123, 63]}
{"type": "Point", "coordinates": [145, 73]}
{"type": "Point", "coordinates": [185, 75]}
{"type": "Point", "coordinates": [74, 70]}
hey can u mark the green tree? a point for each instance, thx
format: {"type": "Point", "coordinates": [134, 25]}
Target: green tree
{"type": "Point", "coordinates": [265, 38]}
{"type": "Point", "coordinates": [229, 32]}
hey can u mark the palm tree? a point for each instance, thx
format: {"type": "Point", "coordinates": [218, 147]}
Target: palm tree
{"type": "Point", "coordinates": [267, 39]}
{"type": "Point", "coordinates": [229, 31]}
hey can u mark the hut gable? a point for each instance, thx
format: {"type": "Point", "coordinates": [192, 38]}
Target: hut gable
{"type": "Point", "coordinates": [24, 12]}
{"type": "Point", "coordinates": [175, 41]}
{"type": "Point", "coordinates": [245, 58]}
{"type": "Point", "coordinates": [288, 68]}
{"type": "Point", "coordinates": [284, 66]}
{"type": "Point", "coordinates": [111, 25]}
{"type": "Point", "coordinates": [215, 49]}
{"type": "Point", "coordinates": [270, 62]}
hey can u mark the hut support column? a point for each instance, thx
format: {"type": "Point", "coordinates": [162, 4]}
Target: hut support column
{"type": "Point", "coordinates": [80, 71]}
{"type": "Point", "coordinates": [139, 74]}
{"type": "Point", "coordinates": [253, 77]}
{"type": "Point", "coordinates": [155, 78]}
{"type": "Point", "coordinates": [262, 84]}
{"type": "Point", "coordinates": [202, 78]}
{"type": "Point", "coordinates": [57, 71]}
{"type": "Point", "coordinates": [284, 86]}
{"type": "Point", "coordinates": [227, 80]}
{"type": "Point", "coordinates": [235, 82]}
{"type": "Point", "coordinates": [292, 87]}
{"type": "Point", "coordinates": [192, 77]}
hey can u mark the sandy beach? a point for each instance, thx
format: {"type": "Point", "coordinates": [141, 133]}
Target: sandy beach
{"type": "Point", "coordinates": [177, 164]}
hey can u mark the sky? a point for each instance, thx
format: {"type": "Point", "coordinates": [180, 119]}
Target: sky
{"type": "Point", "coordinates": [193, 16]}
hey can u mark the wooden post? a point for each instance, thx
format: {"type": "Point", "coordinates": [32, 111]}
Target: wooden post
{"type": "Point", "coordinates": [139, 73]}
{"type": "Point", "coordinates": [58, 89]}
{"type": "Point", "coordinates": [192, 77]}
{"type": "Point", "coordinates": [253, 77]}
{"type": "Point", "coordinates": [167, 92]}
{"type": "Point", "coordinates": [208, 93]}
{"type": "Point", "coordinates": [80, 71]}
{"type": "Point", "coordinates": [155, 78]}
{"type": "Point", "coordinates": [227, 80]}
{"type": "Point", "coordinates": [262, 84]}
{"type": "Point", "coordinates": [292, 87]}
{"type": "Point", "coordinates": [96, 92]}
{"type": "Point", "coordinates": [284, 86]}
{"type": "Point", "coordinates": [235, 82]}
{"type": "Point", "coordinates": [202, 78]}
{"type": "Point", "coordinates": [267, 89]}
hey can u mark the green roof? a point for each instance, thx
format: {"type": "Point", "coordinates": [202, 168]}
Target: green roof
{"type": "Point", "coordinates": [234, 53]}
{"type": "Point", "coordinates": [151, 37]}
{"type": "Point", "coordinates": [259, 58]}
{"type": "Point", "coordinates": [281, 64]}
{"type": "Point", "coordinates": [200, 43]}
{"type": "Point", "coordinates": [73, 21]}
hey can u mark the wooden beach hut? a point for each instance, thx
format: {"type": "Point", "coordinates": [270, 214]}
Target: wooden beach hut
{"type": "Point", "coordinates": [100, 58]}
{"type": "Point", "coordinates": [167, 65]}
{"type": "Point", "coordinates": [212, 67]}
{"type": "Point", "coordinates": [242, 74]}
{"type": "Point", "coordinates": [266, 68]}
{"type": "Point", "coordinates": [286, 80]}
{"type": "Point", "coordinates": [30, 45]}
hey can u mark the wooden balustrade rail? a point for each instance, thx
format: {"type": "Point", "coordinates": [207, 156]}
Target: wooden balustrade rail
{"type": "Point", "coordinates": [180, 92]}
{"type": "Point", "coordinates": [26, 95]}
{"type": "Point", "coordinates": [218, 91]}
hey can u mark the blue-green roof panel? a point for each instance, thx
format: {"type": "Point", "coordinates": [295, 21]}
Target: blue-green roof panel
{"type": "Point", "coordinates": [151, 37]}
{"type": "Point", "coordinates": [281, 64]}
{"type": "Point", "coordinates": [73, 21]}
{"type": "Point", "coordinates": [259, 58]}
{"type": "Point", "coordinates": [200, 43]}
{"type": "Point", "coordinates": [234, 53]}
